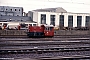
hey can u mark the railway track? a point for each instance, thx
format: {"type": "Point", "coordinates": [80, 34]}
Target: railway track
{"type": "Point", "coordinates": [44, 47]}
{"type": "Point", "coordinates": [43, 39]}
{"type": "Point", "coordinates": [56, 36]}
{"type": "Point", "coordinates": [81, 54]}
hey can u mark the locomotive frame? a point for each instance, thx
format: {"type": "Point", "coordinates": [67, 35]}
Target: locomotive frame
{"type": "Point", "coordinates": [40, 31]}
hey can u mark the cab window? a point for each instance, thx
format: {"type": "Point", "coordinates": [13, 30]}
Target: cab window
{"type": "Point", "coordinates": [49, 28]}
{"type": "Point", "coordinates": [46, 28]}
{"type": "Point", "coordinates": [30, 24]}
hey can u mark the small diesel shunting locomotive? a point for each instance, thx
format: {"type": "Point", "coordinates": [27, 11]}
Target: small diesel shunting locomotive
{"type": "Point", "coordinates": [41, 31]}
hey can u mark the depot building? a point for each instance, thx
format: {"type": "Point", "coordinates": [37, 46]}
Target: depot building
{"type": "Point", "coordinates": [60, 17]}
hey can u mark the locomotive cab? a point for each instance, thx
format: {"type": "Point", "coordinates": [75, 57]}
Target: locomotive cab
{"type": "Point", "coordinates": [49, 31]}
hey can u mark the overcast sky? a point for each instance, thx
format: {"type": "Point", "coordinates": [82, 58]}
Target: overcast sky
{"type": "Point", "coordinates": [78, 6]}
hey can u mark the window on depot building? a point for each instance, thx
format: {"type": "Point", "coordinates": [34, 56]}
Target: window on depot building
{"type": "Point", "coordinates": [11, 9]}
{"type": "Point", "coordinates": [6, 9]}
{"type": "Point", "coordinates": [19, 9]}
{"type": "Point", "coordinates": [61, 21]}
{"type": "Point", "coordinates": [70, 21]}
{"type": "Point", "coordinates": [43, 18]}
{"type": "Point", "coordinates": [52, 20]}
{"type": "Point", "coordinates": [15, 9]}
{"type": "Point", "coordinates": [87, 21]}
{"type": "Point", "coordinates": [79, 21]}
